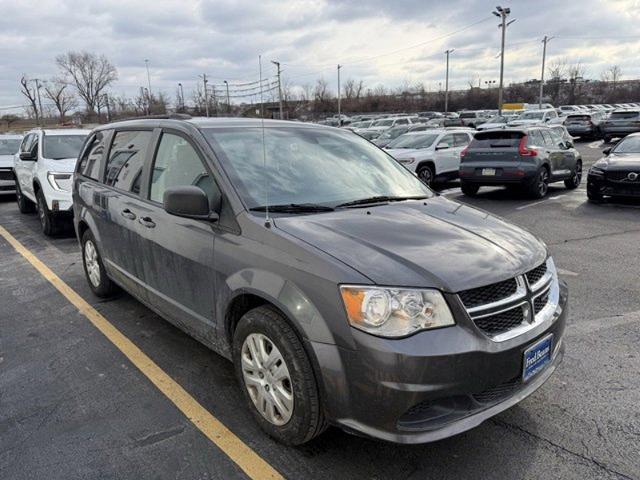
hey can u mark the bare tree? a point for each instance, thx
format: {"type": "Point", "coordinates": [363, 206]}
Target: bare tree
{"type": "Point", "coordinates": [58, 92]}
{"type": "Point", "coordinates": [31, 95]}
{"type": "Point", "coordinates": [89, 73]}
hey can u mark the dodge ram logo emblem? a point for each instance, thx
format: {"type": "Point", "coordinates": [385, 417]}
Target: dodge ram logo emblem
{"type": "Point", "coordinates": [632, 176]}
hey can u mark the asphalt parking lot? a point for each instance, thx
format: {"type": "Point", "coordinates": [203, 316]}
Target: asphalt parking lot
{"type": "Point", "coordinates": [73, 406]}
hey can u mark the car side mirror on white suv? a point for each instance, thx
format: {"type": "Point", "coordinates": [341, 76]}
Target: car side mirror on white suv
{"type": "Point", "coordinates": [28, 156]}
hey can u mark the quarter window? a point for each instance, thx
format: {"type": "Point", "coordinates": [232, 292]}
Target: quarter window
{"type": "Point", "coordinates": [90, 161]}
{"type": "Point", "coordinates": [461, 139]}
{"type": "Point", "coordinates": [126, 160]}
{"type": "Point", "coordinates": [178, 164]}
{"type": "Point", "coordinates": [548, 139]}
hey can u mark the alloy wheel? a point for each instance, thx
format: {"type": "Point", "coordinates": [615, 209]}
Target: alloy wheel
{"type": "Point", "coordinates": [425, 175]}
{"type": "Point", "coordinates": [543, 182]}
{"type": "Point", "coordinates": [91, 263]}
{"type": "Point", "coordinates": [577, 176]}
{"type": "Point", "coordinates": [41, 212]}
{"type": "Point", "coordinates": [267, 379]}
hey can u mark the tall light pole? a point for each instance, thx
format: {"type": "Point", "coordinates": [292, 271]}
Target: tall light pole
{"type": "Point", "coordinates": [503, 13]}
{"type": "Point", "coordinates": [181, 96]}
{"type": "Point", "coordinates": [146, 63]}
{"type": "Point", "coordinates": [228, 101]}
{"type": "Point", "coordinates": [545, 40]}
{"type": "Point", "coordinates": [206, 94]}
{"type": "Point", "coordinates": [446, 82]}
{"type": "Point", "coordinates": [339, 98]}
{"type": "Point", "coordinates": [277, 64]}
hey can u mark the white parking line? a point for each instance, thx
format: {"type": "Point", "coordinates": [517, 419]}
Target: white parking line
{"type": "Point", "coordinates": [522, 207]}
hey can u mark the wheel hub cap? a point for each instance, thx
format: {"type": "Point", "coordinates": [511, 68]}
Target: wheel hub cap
{"type": "Point", "coordinates": [91, 263]}
{"type": "Point", "coordinates": [267, 379]}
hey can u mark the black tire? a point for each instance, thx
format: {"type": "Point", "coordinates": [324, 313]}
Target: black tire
{"type": "Point", "coordinates": [425, 173]}
{"type": "Point", "coordinates": [594, 197]}
{"type": "Point", "coordinates": [539, 187]}
{"type": "Point", "coordinates": [24, 204]}
{"type": "Point", "coordinates": [307, 420]}
{"type": "Point", "coordinates": [576, 177]}
{"type": "Point", "coordinates": [606, 138]}
{"type": "Point", "coordinates": [103, 287]}
{"type": "Point", "coordinates": [47, 219]}
{"type": "Point", "coordinates": [469, 189]}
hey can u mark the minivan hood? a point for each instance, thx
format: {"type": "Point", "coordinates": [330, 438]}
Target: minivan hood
{"type": "Point", "coordinates": [434, 243]}
{"type": "Point", "coordinates": [64, 165]}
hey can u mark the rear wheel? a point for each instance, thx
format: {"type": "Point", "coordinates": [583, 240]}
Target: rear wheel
{"type": "Point", "coordinates": [276, 377]}
{"type": "Point", "coordinates": [47, 219]}
{"type": "Point", "coordinates": [469, 189]}
{"type": "Point", "coordinates": [24, 204]}
{"type": "Point", "coordinates": [540, 185]}
{"type": "Point", "coordinates": [425, 173]}
{"type": "Point", "coordinates": [100, 284]}
{"type": "Point", "coordinates": [606, 138]}
{"type": "Point", "coordinates": [574, 182]}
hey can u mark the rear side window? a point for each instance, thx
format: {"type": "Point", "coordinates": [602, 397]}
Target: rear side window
{"type": "Point", "coordinates": [548, 139]}
{"type": "Point", "coordinates": [126, 160]}
{"type": "Point", "coordinates": [178, 164]}
{"type": "Point", "coordinates": [623, 115]}
{"type": "Point", "coordinates": [502, 139]}
{"type": "Point", "coordinates": [90, 162]}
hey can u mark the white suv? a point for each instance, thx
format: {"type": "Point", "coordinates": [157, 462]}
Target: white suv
{"type": "Point", "coordinates": [434, 155]}
{"type": "Point", "coordinates": [43, 168]}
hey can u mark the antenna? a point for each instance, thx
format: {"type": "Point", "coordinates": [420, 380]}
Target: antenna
{"type": "Point", "coordinates": [267, 221]}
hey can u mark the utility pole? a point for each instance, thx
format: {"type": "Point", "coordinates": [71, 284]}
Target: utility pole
{"type": "Point", "coordinates": [228, 102]}
{"type": "Point", "coordinates": [446, 82]}
{"type": "Point", "coordinates": [148, 102]}
{"type": "Point", "coordinates": [181, 96]}
{"type": "Point", "coordinates": [106, 100]}
{"type": "Point", "coordinates": [206, 94]}
{"type": "Point", "coordinates": [146, 62]}
{"type": "Point", "coordinates": [277, 64]}
{"type": "Point", "coordinates": [339, 98]}
{"type": "Point", "coordinates": [503, 13]}
{"type": "Point", "coordinates": [37, 81]}
{"type": "Point", "coordinates": [545, 40]}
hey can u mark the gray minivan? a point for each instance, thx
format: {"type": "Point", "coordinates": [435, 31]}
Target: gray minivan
{"type": "Point", "coordinates": [344, 290]}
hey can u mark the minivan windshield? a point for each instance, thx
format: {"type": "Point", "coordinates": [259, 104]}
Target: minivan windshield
{"type": "Point", "coordinates": [308, 166]}
{"type": "Point", "coordinates": [414, 141]}
{"type": "Point", "coordinates": [57, 147]}
{"type": "Point", "coordinates": [9, 146]}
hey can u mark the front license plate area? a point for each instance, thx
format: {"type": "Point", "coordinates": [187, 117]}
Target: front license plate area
{"type": "Point", "coordinates": [537, 357]}
{"type": "Point", "coordinates": [489, 172]}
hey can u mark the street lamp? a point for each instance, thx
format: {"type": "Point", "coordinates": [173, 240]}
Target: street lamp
{"type": "Point", "coordinates": [181, 96]}
{"type": "Point", "coordinates": [228, 103]}
{"type": "Point", "coordinates": [502, 13]}
{"type": "Point", "coordinates": [146, 63]}
{"type": "Point", "coordinates": [446, 82]}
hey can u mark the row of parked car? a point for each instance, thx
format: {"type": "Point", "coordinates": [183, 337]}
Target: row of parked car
{"type": "Point", "coordinates": [343, 289]}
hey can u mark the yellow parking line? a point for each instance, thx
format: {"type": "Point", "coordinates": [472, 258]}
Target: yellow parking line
{"type": "Point", "coordinates": [240, 453]}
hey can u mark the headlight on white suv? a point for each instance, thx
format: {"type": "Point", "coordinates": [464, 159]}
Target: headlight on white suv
{"type": "Point", "coordinates": [60, 181]}
{"type": "Point", "coordinates": [395, 312]}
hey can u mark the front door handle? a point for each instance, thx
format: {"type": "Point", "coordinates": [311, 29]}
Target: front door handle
{"type": "Point", "coordinates": [126, 213]}
{"type": "Point", "coordinates": [147, 222]}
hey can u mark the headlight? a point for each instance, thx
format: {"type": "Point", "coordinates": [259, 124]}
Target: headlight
{"type": "Point", "coordinates": [406, 161]}
{"type": "Point", "coordinates": [395, 312]}
{"type": "Point", "coordinates": [60, 181]}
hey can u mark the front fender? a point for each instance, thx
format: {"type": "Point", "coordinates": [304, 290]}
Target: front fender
{"type": "Point", "coordinates": [286, 296]}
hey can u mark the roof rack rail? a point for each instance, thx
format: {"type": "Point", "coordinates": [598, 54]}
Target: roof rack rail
{"type": "Point", "coordinates": [167, 116]}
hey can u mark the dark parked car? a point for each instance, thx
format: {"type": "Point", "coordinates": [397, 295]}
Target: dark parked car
{"type": "Point", "coordinates": [620, 123]}
{"type": "Point", "coordinates": [618, 173]}
{"type": "Point", "coordinates": [527, 158]}
{"type": "Point", "coordinates": [585, 125]}
{"type": "Point", "coordinates": [342, 288]}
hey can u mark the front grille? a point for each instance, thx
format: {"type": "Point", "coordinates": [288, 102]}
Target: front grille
{"type": "Point", "coordinates": [489, 294]}
{"type": "Point", "coordinates": [6, 174]}
{"type": "Point", "coordinates": [620, 176]}
{"type": "Point", "coordinates": [498, 393]}
{"type": "Point", "coordinates": [534, 276]}
{"type": "Point", "coordinates": [500, 322]}
{"type": "Point", "coordinates": [540, 302]}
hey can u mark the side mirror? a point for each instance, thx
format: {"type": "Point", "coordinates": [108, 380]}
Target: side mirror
{"type": "Point", "coordinates": [569, 144]}
{"type": "Point", "coordinates": [28, 157]}
{"type": "Point", "coordinates": [189, 202]}
{"type": "Point", "coordinates": [442, 146]}
{"type": "Point", "coordinates": [607, 151]}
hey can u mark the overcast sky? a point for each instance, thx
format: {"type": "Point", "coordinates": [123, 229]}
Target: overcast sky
{"type": "Point", "coordinates": [223, 38]}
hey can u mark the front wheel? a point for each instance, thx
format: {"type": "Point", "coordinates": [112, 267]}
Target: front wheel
{"type": "Point", "coordinates": [47, 219]}
{"type": "Point", "coordinates": [574, 182]}
{"type": "Point", "coordinates": [276, 377]}
{"type": "Point", "coordinates": [540, 185]}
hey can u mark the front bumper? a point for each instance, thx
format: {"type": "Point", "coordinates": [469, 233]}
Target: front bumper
{"type": "Point", "coordinates": [7, 182]}
{"type": "Point", "coordinates": [431, 385]}
{"type": "Point", "coordinates": [600, 185]}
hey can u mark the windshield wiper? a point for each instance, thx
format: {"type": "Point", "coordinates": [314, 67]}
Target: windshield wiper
{"type": "Point", "coordinates": [293, 208]}
{"type": "Point", "coordinates": [380, 199]}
